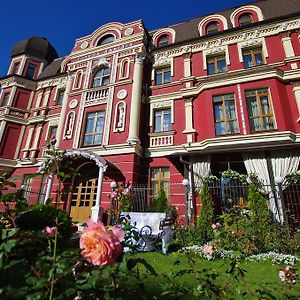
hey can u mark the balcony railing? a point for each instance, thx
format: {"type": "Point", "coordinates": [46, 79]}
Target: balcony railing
{"type": "Point", "coordinates": [96, 94]}
{"type": "Point", "coordinates": [162, 140]}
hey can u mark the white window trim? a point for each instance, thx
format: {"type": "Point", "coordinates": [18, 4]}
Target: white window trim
{"type": "Point", "coordinates": [163, 31]}
{"type": "Point", "coordinates": [58, 88]}
{"type": "Point", "coordinates": [212, 18]}
{"type": "Point", "coordinates": [252, 43]}
{"type": "Point", "coordinates": [162, 63]}
{"type": "Point", "coordinates": [215, 52]}
{"type": "Point", "coordinates": [52, 123]}
{"type": "Point", "coordinates": [246, 8]}
{"type": "Point", "coordinates": [165, 104]}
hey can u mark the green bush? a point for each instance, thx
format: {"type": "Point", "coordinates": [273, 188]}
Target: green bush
{"type": "Point", "coordinates": [159, 204]}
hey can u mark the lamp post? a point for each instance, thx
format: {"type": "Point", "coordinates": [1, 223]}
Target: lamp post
{"type": "Point", "coordinates": [186, 185]}
{"type": "Point", "coordinates": [280, 205]}
{"type": "Point", "coordinates": [113, 186]}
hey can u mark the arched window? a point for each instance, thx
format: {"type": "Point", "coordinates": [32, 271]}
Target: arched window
{"type": "Point", "coordinates": [101, 77]}
{"type": "Point", "coordinates": [245, 19]}
{"type": "Point", "coordinates": [163, 41]}
{"type": "Point", "coordinates": [109, 38]}
{"type": "Point", "coordinates": [212, 27]}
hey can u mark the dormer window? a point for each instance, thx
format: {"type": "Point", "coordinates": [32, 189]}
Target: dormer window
{"type": "Point", "coordinates": [245, 19]}
{"type": "Point", "coordinates": [107, 39]}
{"type": "Point", "coordinates": [101, 77]}
{"type": "Point", "coordinates": [163, 41]}
{"type": "Point", "coordinates": [212, 27]}
{"type": "Point", "coordinates": [30, 72]}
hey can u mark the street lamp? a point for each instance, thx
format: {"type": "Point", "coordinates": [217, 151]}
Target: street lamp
{"type": "Point", "coordinates": [186, 185]}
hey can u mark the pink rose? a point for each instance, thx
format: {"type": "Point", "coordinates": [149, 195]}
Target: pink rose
{"type": "Point", "coordinates": [208, 249]}
{"type": "Point", "coordinates": [113, 194]}
{"type": "Point", "coordinates": [282, 275]}
{"type": "Point", "coordinates": [49, 230]}
{"type": "Point", "coordinates": [101, 246]}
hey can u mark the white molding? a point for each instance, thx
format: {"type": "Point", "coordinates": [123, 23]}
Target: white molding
{"type": "Point", "coordinates": [245, 8]}
{"type": "Point", "coordinates": [164, 31]}
{"type": "Point", "coordinates": [211, 17]}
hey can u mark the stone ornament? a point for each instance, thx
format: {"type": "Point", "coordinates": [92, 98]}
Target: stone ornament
{"type": "Point", "coordinates": [122, 94]}
{"type": "Point", "coordinates": [129, 31]}
{"type": "Point", "coordinates": [73, 103]}
{"type": "Point", "coordinates": [84, 45]}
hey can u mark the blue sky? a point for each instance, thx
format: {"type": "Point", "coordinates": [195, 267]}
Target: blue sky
{"type": "Point", "coordinates": [61, 22]}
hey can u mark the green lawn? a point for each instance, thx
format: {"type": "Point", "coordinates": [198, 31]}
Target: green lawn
{"type": "Point", "coordinates": [181, 278]}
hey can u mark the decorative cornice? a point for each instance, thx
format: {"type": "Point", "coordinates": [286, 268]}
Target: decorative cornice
{"type": "Point", "coordinates": [230, 38]}
{"type": "Point", "coordinates": [61, 81]}
{"type": "Point", "coordinates": [18, 81]}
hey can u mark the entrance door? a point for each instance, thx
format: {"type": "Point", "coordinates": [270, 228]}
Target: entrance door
{"type": "Point", "coordinates": [83, 199]}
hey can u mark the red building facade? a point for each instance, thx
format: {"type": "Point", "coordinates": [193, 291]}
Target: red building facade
{"type": "Point", "coordinates": [196, 98]}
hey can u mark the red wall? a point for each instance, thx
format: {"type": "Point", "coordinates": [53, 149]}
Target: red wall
{"type": "Point", "coordinates": [10, 140]}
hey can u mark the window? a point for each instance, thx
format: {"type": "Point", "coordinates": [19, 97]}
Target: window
{"type": "Point", "coordinates": [212, 27]}
{"type": "Point", "coordinates": [30, 71]}
{"type": "Point", "coordinates": [225, 114]}
{"type": "Point", "coordinates": [163, 75]}
{"type": "Point", "coordinates": [27, 184]}
{"type": "Point", "coordinates": [162, 120]}
{"type": "Point", "coordinates": [252, 57]}
{"type": "Point", "coordinates": [163, 41]}
{"type": "Point", "coordinates": [245, 19]}
{"type": "Point", "coordinates": [216, 64]}
{"type": "Point", "coordinates": [94, 128]}
{"type": "Point", "coordinates": [5, 99]}
{"type": "Point", "coordinates": [52, 132]}
{"type": "Point", "coordinates": [15, 68]}
{"type": "Point", "coordinates": [60, 97]}
{"type": "Point", "coordinates": [107, 39]}
{"type": "Point", "coordinates": [160, 179]}
{"type": "Point", "coordinates": [101, 77]}
{"type": "Point", "coordinates": [259, 110]}
{"type": "Point", "coordinates": [43, 189]}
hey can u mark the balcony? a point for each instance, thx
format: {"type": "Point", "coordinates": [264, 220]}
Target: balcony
{"type": "Point", "coordinates": [161, 139]}
{"type": "Point", "coordinates": [95, 96]}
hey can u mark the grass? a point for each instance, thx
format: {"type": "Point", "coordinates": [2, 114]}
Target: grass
{"type": "Point", "coordinates": [180, 277]}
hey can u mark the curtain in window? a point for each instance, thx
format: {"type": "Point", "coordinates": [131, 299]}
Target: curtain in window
{"type": "Point", "coordinates": [282, 163]}
{"type": "Point", "coordinates": [201, 168]}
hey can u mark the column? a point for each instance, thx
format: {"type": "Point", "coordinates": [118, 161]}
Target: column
{"type": "Point", "coordinates": [189, 130]}
{"type": "Point", "coordinates": [95, 209]}
{"type": "Point", "coordinates": [28, 142]}
{"type": "Point", "coordinates": [34, 149]}
{"type": "Point", "coordinates": [63, 111]}
{"type": "Point", "coordinates": [287, 44]}
{"type": "Point", "coordinates": [135, 108]}
{"type": "Point", "coordinates": [49, 187]}
{"type": "Point", "coordinates": [296, 90]}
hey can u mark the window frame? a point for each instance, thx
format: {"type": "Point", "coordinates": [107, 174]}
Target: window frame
{"type": "Point", "coordinates": [50, 131]}
{"type": "Point", "coordinates": [165, 42]}
{"type": "Point", "coordinates": [252, 52]}
{"type": "Point", "coordinates": [31, 66]}
{"type": "Point", "coordinates": [245, 23]}
{"type": "Point", "coordinates": [93, 133]}
{"type": "Point", "coordinates": [101, 78]}
{"type": "Point", "coordinates": [60, 96]}
{"type": "Point", "coordinates": [209, 31]}
{"type": "Point", "coordinates": [5, 99]}
{"type": "Point", "coordinates": [102, 41]}
{"type": "Point", "coordinates": [162, 118]}
{"type": "Point", "coordinates": [265, 93]}
{"type": "Point", "coordinates": [225, 120]}
{"type": "Point", "coordinates": [215, 60]}
{"type": "Point", "coordinates": [160, 181]}
{"type": "Point", "coordinates": [163, 71]}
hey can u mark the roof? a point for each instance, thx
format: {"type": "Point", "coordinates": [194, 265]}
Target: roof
{"type": "Point", "coordinates": [270, 9]}
{"type": "Point", "coordinates": [35, 46]}
{"type": "Point", "coordinates": [52, 69]}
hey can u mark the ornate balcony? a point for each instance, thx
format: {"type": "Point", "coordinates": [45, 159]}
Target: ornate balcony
{"type": "Point", "coordinates": [96, 95]}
